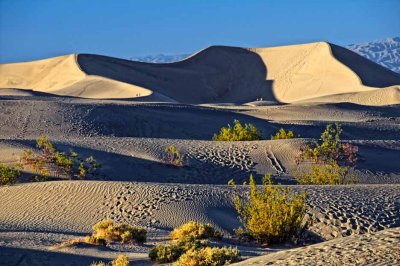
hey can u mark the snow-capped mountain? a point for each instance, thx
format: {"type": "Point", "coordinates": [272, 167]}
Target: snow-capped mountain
{"type": "Point", "coordinates": [160, 58]}
{"type": "Point", "coordinates": [385, 52]}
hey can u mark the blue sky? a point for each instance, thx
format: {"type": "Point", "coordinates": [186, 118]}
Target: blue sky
{"type": "Point", "coordinates": [43, 28]}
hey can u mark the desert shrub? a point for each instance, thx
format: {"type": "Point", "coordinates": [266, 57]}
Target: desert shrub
{"type": "Point", "coordinates": [121, 260]}
{"type": "Point", "coordinates": [325, 174]}
{"type": "Point", "coordinates": [273, 214]}
{"type": "Point", "coordinates": [238, 132]}
{"type": "Point", "coordinates": [123, 233]}
{"type": "Point", "coordinates": [330, 148]}
{"type": "Point", "coordinates": [282, 134]}
{"type": "Point", "coordinates": [331, 159]}
{"type": "Point", "coordinates": [166, 253]}
{"type": "Point", "coordinates": [173, 157]}
{"type": "Point", "coordinates": [9, 174]}
{"type": "Point", "coordinates": [194, 230]}
{"type": "Point", "coordinates": [49, 161]}
{"type": "Point", "coordinates": [209, 256]}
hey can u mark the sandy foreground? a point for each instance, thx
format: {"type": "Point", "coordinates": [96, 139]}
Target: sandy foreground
{"type": "Point", "coordinates": [126, 113]}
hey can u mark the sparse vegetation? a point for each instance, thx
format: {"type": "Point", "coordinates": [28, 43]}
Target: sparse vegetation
{"type": "Point", "coordinates": [194, 230]}
{"type": "Point", "coordinates": [121, 260]}
{"type": "Point", "coordinates": [331, 159]}
{"type": "Point", "coordinates": [282, 134]}
{"type": "Point", "coordinates": [330, 148]}
{"type": "Point", "coordinates": [48, 161]}
{"type": "Point", "coordinates": [272, 214]}
{"type": "Point", "coordinates": [123, 233]}
{"type": "Point", "coordinates": [166, 253]}
{"type": "Point", "coordinates": [238, 133]}
{"type": "Point", "coordinates": [9, 174]}
{"type": "Point", "coordinates": [325, 174]}
{"type": "Point", "coordinates": [209, 256]}
{"type": "Point", "coordinates": [173, 156]}
{"type": "Point", "coordinates": [106, 231]}
{"type": "Point", "coordinates": [188, 240]}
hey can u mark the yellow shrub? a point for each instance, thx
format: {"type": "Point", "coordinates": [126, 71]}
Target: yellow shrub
{"type": "Point", "coordinates": [209, 256]}
{"type": "Point", "coordinates": [325, 174]}
{"type": "Point", "coordinates": [238, 133]}
{"type": "Point", "coordinates": [282, 134]}
{"type": "Point", "coordinates": [194, 230]}
{"type": "Point", "coordinates": [121, 260]}
{"type": "Point", "coordinates": [124, 233]}
{"type": "Point", "coordinates": [273, 214]}
{"type": "Point", "coordinates": [173, 156]}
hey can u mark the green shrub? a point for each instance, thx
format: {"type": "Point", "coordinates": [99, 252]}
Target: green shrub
{"type": "Point", "coordinates": [331, 159]}
{"type": "Point", "coordinates": [209, 256]}
{"type": "Point", "coordinates": [282, 134]}
{"type": "Point", "coordinates": [273, 214]}
{"type": "Point", "coordinates": [50, 161]}
{"type": "Point", "coordinates": [194, 230]}
{"type": "Point", "coordinates": [9, 174]}
{"type": "Point", "coordinates": [330, 148]}
{"type": "Point", "coordinates": [325, 174]}
{"type": "Point", "coordinates": [123, 233]}
{"type": "Point", "coordinates": [173, 156]}
{"type": "Point", "coordinates": [238, 133]}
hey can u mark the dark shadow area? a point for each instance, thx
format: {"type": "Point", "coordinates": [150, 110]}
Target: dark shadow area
{"type": "Point", "coordinates": [214, 75]}
{"type": "Point", "coordinates": [23, 256]}
{"type": "Point", "coordinates": [371, 73]}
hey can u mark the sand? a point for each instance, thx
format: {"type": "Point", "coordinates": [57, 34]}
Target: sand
{"type": "Point", "coordinates": [126, 113]}
{"type": "Point", "coordinates": [218, 74]}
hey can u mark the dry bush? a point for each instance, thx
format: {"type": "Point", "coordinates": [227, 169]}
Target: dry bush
{"type": "Point", "coordinates": [282, 134]}
{"type": "Point", "coordinates": [189, 236]}
{"type": "Point", "coordinates": [208, 256]}
{"type": "Point", "coordinates": [272, 214]}
{"type": "Point", "coordinates": [123, 233]}
{"type": "Point", "coordinates": [9, 174]}
{"type": "Point", "coordinates": [238, 133]}
{"type": "Point", "coordinates": [121, 260]}
{"type": "Point", "coordinates": [173, 156]}
{"type": "Point", "coordinates": [166, 253]}
{"type": "Point", "coordinates": [194, 230]}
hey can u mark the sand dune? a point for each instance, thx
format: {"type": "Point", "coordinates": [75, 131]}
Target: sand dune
{"type": "Point", "coordinates": [380, 248]}
{"type": "Point", "coordinates": [126, 113]}
{"type": "Point", "coordinates": [217, 74]}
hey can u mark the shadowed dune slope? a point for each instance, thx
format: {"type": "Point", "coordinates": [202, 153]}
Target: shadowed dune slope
{"type": "Point", "coordinates": [218, 74]}
{"type": "Point", "coordinates": [215, 74]}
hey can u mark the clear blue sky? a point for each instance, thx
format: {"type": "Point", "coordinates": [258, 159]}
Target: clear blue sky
{"type": "Point", "coordinates": [43, 28]}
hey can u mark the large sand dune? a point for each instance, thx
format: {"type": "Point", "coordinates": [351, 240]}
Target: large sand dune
{"type": "Point", "coordinates": [217, 74]}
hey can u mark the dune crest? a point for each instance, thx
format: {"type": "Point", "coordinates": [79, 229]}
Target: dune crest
{"type": "Point", "coordinates": [217, 74]}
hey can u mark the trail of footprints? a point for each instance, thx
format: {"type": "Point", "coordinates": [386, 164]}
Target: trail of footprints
{"type": "Point", "coordinates": [136, 203]}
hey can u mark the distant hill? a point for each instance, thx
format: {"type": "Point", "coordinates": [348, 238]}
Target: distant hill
{"type": "Point", "coordinates": [385, 52]}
